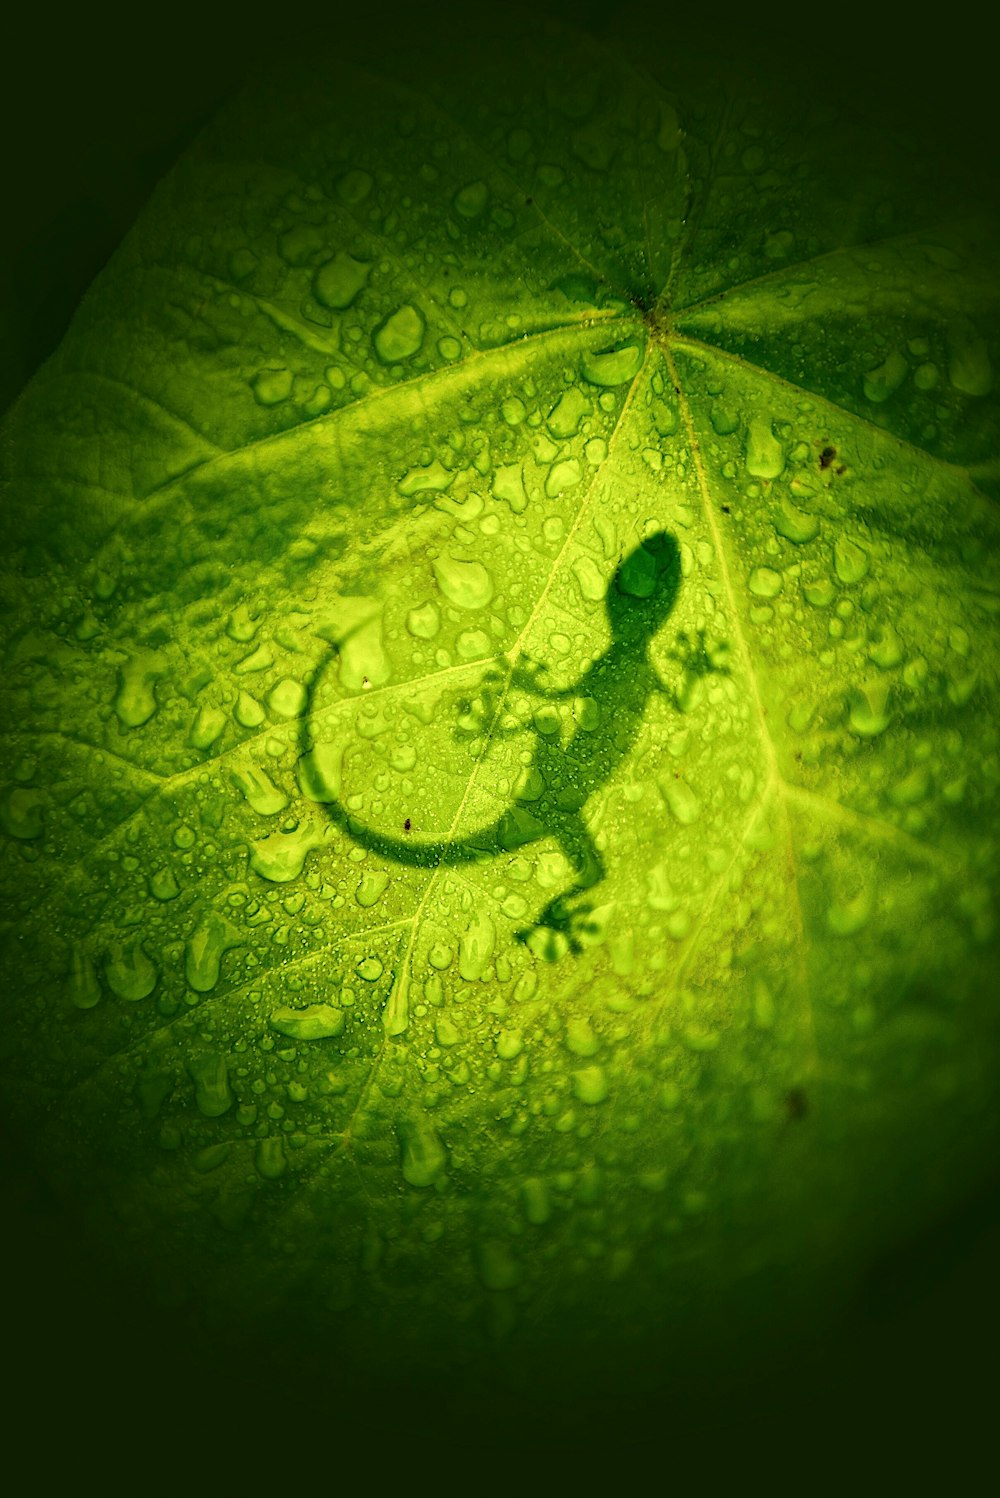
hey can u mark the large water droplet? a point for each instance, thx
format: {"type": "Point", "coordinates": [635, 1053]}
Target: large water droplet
{"type": "Point", "coordinates": [968, 359]}
{"type": "Point", "coordinates": [476, 947]}
{"type": "Point", "coordinates": [566, 415]}
{"type": "Point", "coordinates": [422, 1155]}
{"type": "Point", "coordinates": [204, 951]}
{"type": "Point", "coordinates": [680, 798]}
{"type": "Point", "coordinates": [612, 366]}
{"type": "Point", "coordinates": [129, 972]}
{"type": "Point", "coordinates": [884, 381]}
{"type": "Point", "coordinates": [849, 560]}
{"type": "Point", "coordinates": [260, 791]}
{"type": "Point", "coordinates": [339, 281]}
{"type": "Point", "coordinates": [470, 201]}
{"type": "Point", "coordinates": [135, 703]}
{"type": "Point", "coordinates": [280, 857]}
{"type": "Point", "coordinates": [468, 585]}
{"type": "Point", "coordinates": [795, 525]}
{"type": "Point", "coordinates": [590, 1084]}
{"type": "Point", "coordinates": [315, 1022]}
{"type": "Point", "coordinates": [84, 987]}
{"type": "Point", "coordinates": [765, 456]}
{"type": "Point", "coordinates": [210, 1074]}
{"type": "Point", "coordinates": [868, 709]}
{"type": "Point", "coordinates": [372, 887]}
{"type": "Point", "coordinates": [400, 335]}
{"type": "Point", "coordinates": [764, 582]}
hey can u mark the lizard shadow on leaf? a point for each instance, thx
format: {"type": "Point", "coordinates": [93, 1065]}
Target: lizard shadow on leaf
{"type": "Point", "coordinates": [616, 688]}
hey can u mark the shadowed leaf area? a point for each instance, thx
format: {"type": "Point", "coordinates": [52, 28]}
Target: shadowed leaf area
{"type": "Point", "coordinates": [499, 747]}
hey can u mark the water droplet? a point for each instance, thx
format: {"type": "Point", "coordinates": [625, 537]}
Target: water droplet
{"type": "Point", "coordinates": [206, 728]}
{"type": "Point", "coordinates": [819, 593]}
{"type": "Point", "coordinates": [795, 525]}
{"type": "Point", "coordinates": [400, 335]}
{"type": "Point", "coordinates": [468, 585]}
{"type": "Point", "coordinates": [968, 359]}
{"type": "Point", "coordinates": [432, 476]}
{"type": "Point", "coordinates": [580, 1038]}
{"type": "Point", "coordinates": [886, 651]}
{"type": "Point", "coordinates": [536, 1200]}
{"type": "Point", "coordinates": [764, 582]}
{"type": "Point", "coordinates": [498, 1269]}
{"type": "Point", "coordinates": [370, 968]}
{"type": "Point", "coordinates": [353, 187]}
{"type": "Point", "coordinates": [287, 698]}
{"type": "Point", "coordinates": [590, 1084]}
{"type": "Point", "coordinates": [135, 702]}
{"type": "Point", "coordinates": [765, 457]}
{"type": "Point", "coordinates": [21, 813]}
{"type": "Point", "coordinates": [372, 887]}
{"type": "Point", "coordinates": [280, 857]}
{"type": "Point", "coordinates": [476, 947]}
{"type": "Point", "coordinates": [508, 485]}
{"type": "Point", "coordinates": [152, 1091]}
{"type": "Point", "coordinates": [297, 246]}
{"type": "Point", "coordinates": [849, 560]}
{"type": "Point", "coordinates": [259, 790]}
{"type": "Point", "coordinates": [422, 1154]}
{"type": "Point", "coordinates": [473, 644]}
{"type": "Point", "coordinates": [867, 708]}
{"type": "Point", "coordinates": [211, 1158]}
{"type": "Point", "coordinates": [403, 758]}
{"type": "Point", "coordinates": [204, 951]}
{"type": "Point", "coordinates": [884, 381]}
{"type": "Point", "coordinates": [470, 201]}
{"type": "Point", "coordinates": [315, 1022]}
{"type": "Point", "coordinates": [270, 1157]}
{"type": "Point", "coordinates": [612, 366]}
{"type": "Point", "coordinates": [446, 1033]}
{"type": "Point", "coordinates": [562, 476]}
{"type": "Point", "coordinates": [248, 711]}
{"type": "Point", "coordinates": [84, 987]}
{"type": "Point", "coordinates": [339, 281]}
{"type": "Point", "coordinates": [912, 789]}
{"type": "Point", "coordinates": [424, 621]}
{"type": "Point", "coordinates": [566, 415]}
{"type": "Point", "coordinates": [271, 386]}
{"type": "Point", "coordinates": [129, 972]}
{"type": "Point", "coordinates": [210, 1074]}
{"type": "Point", "coordinates": [926, 376]}
{"type": "Point", "coordinates": [680, 798]}
{"type": "Point", "coordinates": [510, 1044]}
{"type": "Point", "coordinates": [258, 660]}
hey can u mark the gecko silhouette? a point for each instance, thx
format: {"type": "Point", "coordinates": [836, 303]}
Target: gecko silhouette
{"type": "Point", "coordinates": [639, 599]}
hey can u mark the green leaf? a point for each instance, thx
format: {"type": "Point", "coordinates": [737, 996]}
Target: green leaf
{"type": "Point", "coordinates": [500, 777]}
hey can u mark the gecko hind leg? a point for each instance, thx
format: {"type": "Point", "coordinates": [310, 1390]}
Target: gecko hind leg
{"type": "Point", "coordinates": [565, 913]}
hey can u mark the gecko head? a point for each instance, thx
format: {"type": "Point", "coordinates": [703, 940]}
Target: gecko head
{"type": "Point", "coordinates": [644, 588]}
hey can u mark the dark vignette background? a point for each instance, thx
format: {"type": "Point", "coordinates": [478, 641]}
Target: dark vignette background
{"type": "Point", "coordinates": [92, 112]}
